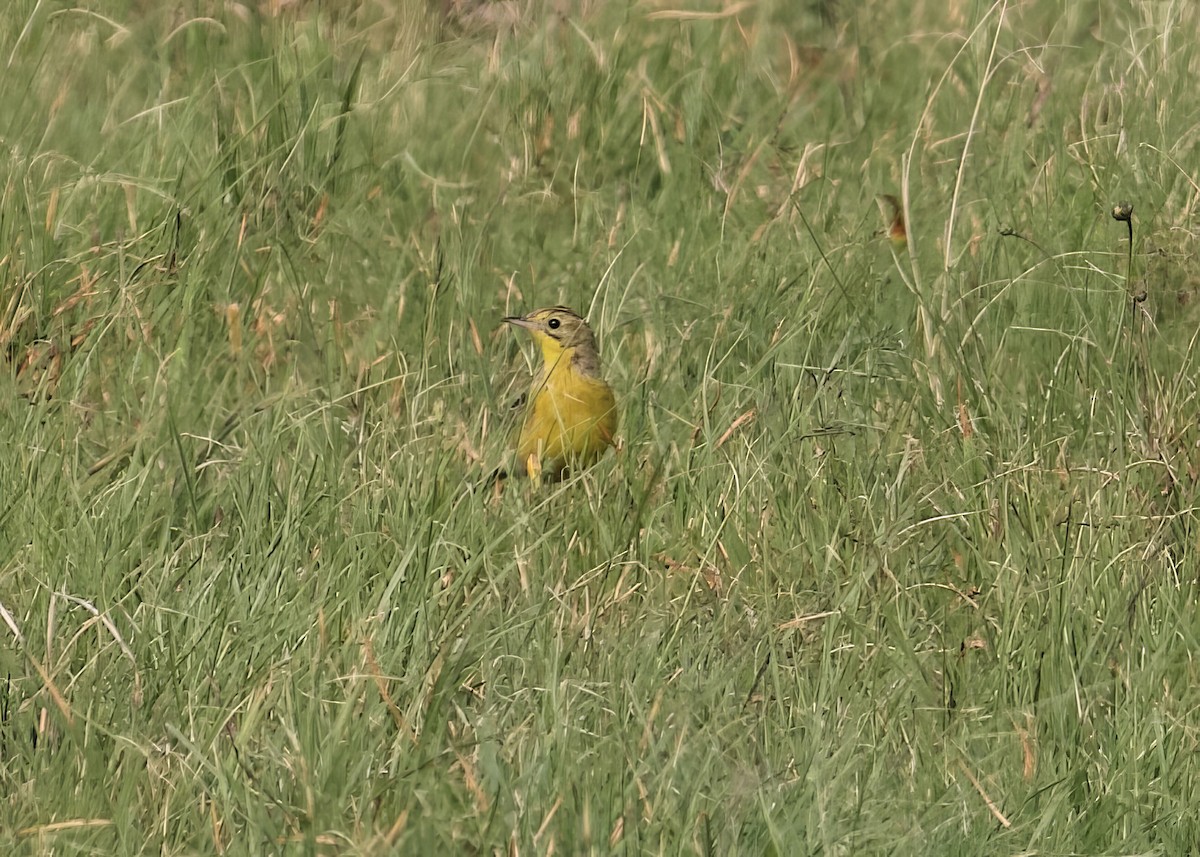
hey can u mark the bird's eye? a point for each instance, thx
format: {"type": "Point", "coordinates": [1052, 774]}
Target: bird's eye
{"type": "Point", "coordinates": [553, 324]}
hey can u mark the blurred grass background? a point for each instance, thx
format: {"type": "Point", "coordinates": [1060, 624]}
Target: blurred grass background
{"type": "Point", "coordinates": [898, 554]}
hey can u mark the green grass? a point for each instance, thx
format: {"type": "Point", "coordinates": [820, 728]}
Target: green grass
{"type": "Point", "coordinates": [899, 553]}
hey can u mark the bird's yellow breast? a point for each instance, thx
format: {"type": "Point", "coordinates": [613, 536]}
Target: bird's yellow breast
{"type": "Point", "coordinates": [571, 420]}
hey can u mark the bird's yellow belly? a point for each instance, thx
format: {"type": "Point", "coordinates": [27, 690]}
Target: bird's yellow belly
{"type": "Point", "coordinates": [571, 421]}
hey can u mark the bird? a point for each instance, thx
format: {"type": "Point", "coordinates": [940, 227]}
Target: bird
{"type": "Point", "coordinates": [571, 412]}
{"type": "Point", "coordinates": [893, 211]}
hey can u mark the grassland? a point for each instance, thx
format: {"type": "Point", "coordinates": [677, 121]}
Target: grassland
{"type": "Point", "coordinates": [898, 554]}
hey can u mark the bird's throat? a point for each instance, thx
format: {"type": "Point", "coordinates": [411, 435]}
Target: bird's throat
{"type": "Point", "coordinates": [556, 358]}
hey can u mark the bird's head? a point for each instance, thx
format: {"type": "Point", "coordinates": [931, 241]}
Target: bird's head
{"type": "Point", "coordinates": [560, 333]}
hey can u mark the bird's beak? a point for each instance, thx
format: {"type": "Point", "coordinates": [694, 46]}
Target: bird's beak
{"type": "Point", "coordinates": [517, 321]}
